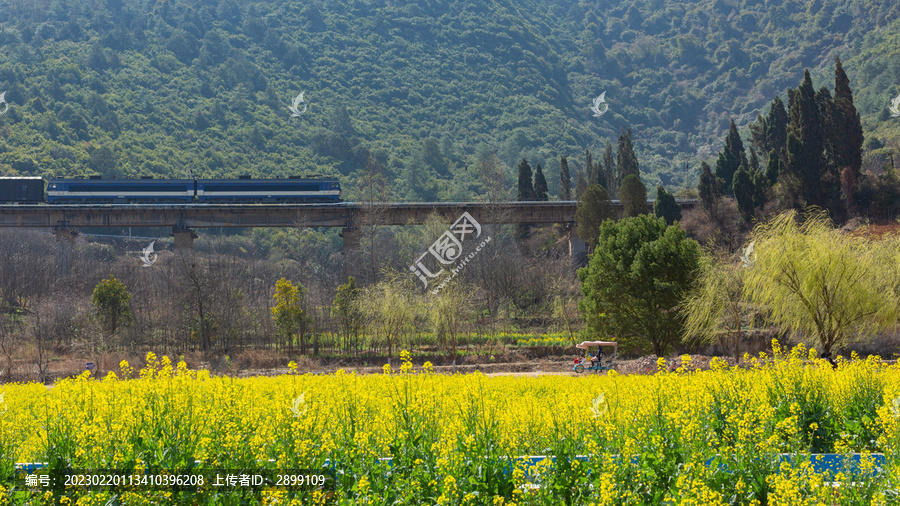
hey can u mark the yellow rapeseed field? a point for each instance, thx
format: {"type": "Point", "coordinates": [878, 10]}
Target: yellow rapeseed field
{"type": "Point", "coordinates": [724, 436]}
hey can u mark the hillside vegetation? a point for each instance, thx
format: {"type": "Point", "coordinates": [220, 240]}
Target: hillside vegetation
{"type": "Point", "coordinates": [417, 90]}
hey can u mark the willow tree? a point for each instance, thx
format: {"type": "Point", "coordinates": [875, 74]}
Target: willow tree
{"type": "Point", "coordinates": [715, 307]}
{"type": "Point", "coordinates": [449, 311]}
{"type": "Point", "coordinates": [825, 286]}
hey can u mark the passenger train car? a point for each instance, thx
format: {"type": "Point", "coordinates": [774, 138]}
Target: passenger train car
{"type": "Point", "coordinates": [294, 189]}
{"type": "Point", "coordinates": [22, 190]}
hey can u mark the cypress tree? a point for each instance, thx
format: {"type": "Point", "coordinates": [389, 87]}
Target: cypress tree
{"type": "Point", "coordinates": [609, 169]}
{"type": "Point", "coordinates": [593, 209]}
{"type": "Point", "coordinates": [565, 179]}
{"type": "Point", "coordinates": [758, 131]}
{"type": "Point", "coordinates": [731, 158]}
{"type": "Point", "coordinates": [754, 161]}
{"type": "Point", "coordinates": [832, 139]}
{"type": "Point", "coordinates": [709, 189]}
{"type": "Point", "coordinates": [526, 188]}
{"type": "Point", "coordinates": [601, 175]}
{"type": "Point", "coordinates": [773, 168]}
{"type": "Point", "coordinates": [776, 127]}
{"type": "Point", "coordinates": [627, 163]}
{"type": "Point", "coordinates": [848, 152]}
{"type": "Point", "coordinates": [580, 184]}
{"type": "Point", "coordinates": [666, 207]}
{"type": "Point", "coordinates": [744, 193]}
{"type": "Point", "coordinates": [633, 196]}
{"type": "Point", "coordinates": [589, 169]}
{"type": "Point", "coordinates": [805, 144]}
{"type": "Point", "coordinates": [540, 185]}
{"type": "Point", "coordinates": [760, 185]}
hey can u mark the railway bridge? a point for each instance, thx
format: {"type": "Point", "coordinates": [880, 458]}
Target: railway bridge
{"type": "Point", "coordinates": [183, 219]}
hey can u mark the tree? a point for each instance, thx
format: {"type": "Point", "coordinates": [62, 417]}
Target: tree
{"type": "Point", "coordinates": [825, 286]}
{"type": "Point", "coordinates": [290, 318]}
{"type": "Point", "coordinates": [709, 190]}
{"type": "Point", "coordinates": [715, 305]}
{"type": "Point", "coordinates": [113, 304]}
{"type": "Point", "coordinates": [754, 160]}
{"type": "Point", "coordinates": [731, 159]}
{"type": "Point", "coordinates": [609, 170]}
{"type": "Point", "coordinates": [389, 308]}
{"type": "Point", "coordinates": [565, 179]}
{"type": "Point", "coordinates": [776, 128]}
{"type": "Point", "coordinates": [666, 207]}
{"type": "Point", "coordinates": [590, 170]}
{"type": "Point", "coordinates": [744, 193]}
{"type": "Point", "coordinates": [805, 144]}
{"type": "Point", "coordinates": [627, 162]}
{"type": "Point", "coordinates": [540, 185]}
{"type": "Point", "coordinates": [635, 281]}
{"type": "Point", "coordinates": [848, 147]}
{"type": "Point", "coordinates": [633, 195]}
{"type": "Point", "coordinates": [346, 309]}
{"type": "Point", "coordinates": [580, 184]}
{"type": "Point", "coordinates": [526, 188]}
{"type": "Point", "coordinates": [773, 167]}
{"type": "Point", "coordinates": [593, 209]}
{"type": "Point", "coordinates": [449, 311]}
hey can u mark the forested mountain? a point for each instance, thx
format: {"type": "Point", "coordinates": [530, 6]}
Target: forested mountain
{"type": "Point", "coordinates": [418, 91]}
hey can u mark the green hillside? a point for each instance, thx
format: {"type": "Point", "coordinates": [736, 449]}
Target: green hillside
{"type": "Point", "coordinates": [423, 89]}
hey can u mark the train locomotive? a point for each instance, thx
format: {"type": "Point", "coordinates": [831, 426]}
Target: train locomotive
{"type": "Point", "coordinates": [96, 190]}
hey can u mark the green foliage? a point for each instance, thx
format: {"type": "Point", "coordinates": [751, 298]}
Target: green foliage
{"type": "Point", "coordinates": [823, 284]}
{"type": "Point", "coordinates": [346, 308]}
{"type": "Point", "coordinates": [805, 145]}
{"type": "Point", "coordinates": [773, 168]}
{"type": "Point", "coordinates": [289, 315]}
{"type": "Point", "coordinates": [633, 196]}
{"type": "Point", "coordinates": [526, 185]}
{"type": "Point", "coordinates": [635, 281]}
{"type": "Point", "coordinates": [565, 179]}
{"type": "Point", "coordinates": [847, 130]}
{"type": "Point", "coordinates": [743, 190]}
{"type": "Point", "coordinates": [540, 185]}
{"type": "Point", "coordinates": [593, 209]}
{"type": "Point", "coordinates": [715, 307]}
{"type": "Point", "coordinates": [389, 309]}
{"type": "Point", "coordinates": [172, 87]}
{"type": "Point", "coordinates": [626, 160]}
{"type": "Point", "coordinates": [710, 190]}
{"type": "Point", "coordinates": [113, 303]}
{"type": "Point", "coordinates": [580, 184]}
{"type": "Point", "coordinates": [666, 207]}
{"type": "Point", "coordinates": [732, 158]}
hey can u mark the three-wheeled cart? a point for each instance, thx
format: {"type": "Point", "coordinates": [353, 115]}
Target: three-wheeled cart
{"type": "Point", "coordinates": [593, 359]}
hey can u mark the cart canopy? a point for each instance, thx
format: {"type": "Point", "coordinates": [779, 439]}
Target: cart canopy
{"type": "Point", "coordinates": [593, 344]}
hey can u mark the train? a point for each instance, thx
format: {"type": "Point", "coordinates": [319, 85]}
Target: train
{"type": "Point", "coordinates": [147, 190]}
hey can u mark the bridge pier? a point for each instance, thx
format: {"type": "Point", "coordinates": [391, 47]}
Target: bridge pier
{"type": "Point", "coordinates": [577, 248]}
{"type": "Point", "coordinates": [65, 249]}
{"type": "Point", "coordinates": [184, 237]}
{"type": "Point", "coordinates": [351, 239]}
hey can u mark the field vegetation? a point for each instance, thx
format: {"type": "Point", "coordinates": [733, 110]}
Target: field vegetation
{"type": "Point", "coordinates": [721, 436]}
